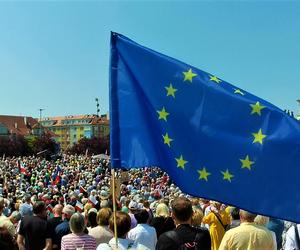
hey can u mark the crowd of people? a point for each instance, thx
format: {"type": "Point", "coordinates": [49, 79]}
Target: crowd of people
{"type": "Point", "coordinates": [67, 204]}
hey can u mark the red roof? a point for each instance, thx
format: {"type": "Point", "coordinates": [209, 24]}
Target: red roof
{"type": "Point", "coordinates": [20, 125]}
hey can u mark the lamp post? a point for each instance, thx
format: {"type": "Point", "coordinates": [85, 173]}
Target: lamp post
{"type": "Point", "coordinates": [40, 125]}
{"type": "Point", "coordinates": [97, 106]}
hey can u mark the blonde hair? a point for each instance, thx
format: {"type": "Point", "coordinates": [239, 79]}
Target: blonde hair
{"type": "Point", "coordinates": [197, 217]}
{"type": "Point", "coordinates": [87, 207]}
{"type": "Point", "coordinates": [103, 216]}
{"type": "Point", "coordinates": [261, 220]}
{"type": "Point", "coordinates": [162, 210]}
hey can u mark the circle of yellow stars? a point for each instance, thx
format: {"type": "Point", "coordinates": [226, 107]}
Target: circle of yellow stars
{"type": "Point", "coordinates": [258, 137]}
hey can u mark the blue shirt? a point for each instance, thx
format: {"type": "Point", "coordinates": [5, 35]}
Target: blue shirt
{"type": "Point", "coordinates": [61, 230]}
{"type": "Point", "coordinates": [26, 209]}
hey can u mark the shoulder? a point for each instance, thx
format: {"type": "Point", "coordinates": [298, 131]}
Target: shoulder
{"type": "Point", "coordinates": [67, 237]}
{"type": "Point", "coordinates": [167, 238]}
{"type": "Point", "coordinates": [138, 246]}
{"type": "Point", "coordinates": [149, 228]}
{"type": "Point", "coordinates": [264, 229]}
{"type": "Point", "coordinates": [63, 224]}
{"type": "Point", "coordinates": [103, 246]}
{"type": "Point", "coordinates": [89, 237]}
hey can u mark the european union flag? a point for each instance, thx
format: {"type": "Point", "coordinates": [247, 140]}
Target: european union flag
{"type": "Point", "coordinates": [215, 140]}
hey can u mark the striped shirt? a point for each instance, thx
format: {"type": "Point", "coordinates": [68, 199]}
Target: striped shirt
{"type": "Point", "coordinates": [78, 242]}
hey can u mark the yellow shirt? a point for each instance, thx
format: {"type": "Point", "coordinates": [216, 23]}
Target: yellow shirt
{"type": "Point", "coordinates": [216, 230]}
{"type": "Point", "coordinates": [248, 236]}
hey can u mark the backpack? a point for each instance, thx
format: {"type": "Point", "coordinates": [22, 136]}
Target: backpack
{"type": "Point", "coordinates": [192, 245]}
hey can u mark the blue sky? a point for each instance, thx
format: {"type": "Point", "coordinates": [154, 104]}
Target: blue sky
{"type": "Point", "coordinates": [55, 55]}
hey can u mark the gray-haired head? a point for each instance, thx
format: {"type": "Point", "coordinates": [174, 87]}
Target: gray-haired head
{"type": "Point", "coordinates": [247, 216]}
{"type": "Point", "coordinates": [15, 216]}
{"type": "Point", "coordinates": [77, 224]}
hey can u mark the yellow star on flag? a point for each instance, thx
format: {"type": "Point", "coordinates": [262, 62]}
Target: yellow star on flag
{"type": "Point", "coordinates": [188, 75]}
{"type": "Point", "coordinates": [246, 163]}
{"type": "Point", "coordinates": [162, 114]}
{"type": "Point", "coordinates": [167, 139]}
{"type": "Point", "coordinates": [256, 108]}
{"type": "Point", "coordinates": [215, 79]}
{"type": "Point", "coordinates": [238, 91]}
{"type": "Point", "coordinates": [258, 137]}
{"type": "Point", "coordinates": [170, 90]}
{"type": "Point", "coordinates": [203, 174]}
{"type": "Point", "coordinates": [181, 162]}
{"type": "Point", "coordinates": [227, 175]}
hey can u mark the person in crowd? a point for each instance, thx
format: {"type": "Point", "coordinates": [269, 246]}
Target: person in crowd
{"type": "Point", "coordinates": [235, 217]}
{"type": "Point", "coordinates": [133, 208]}
{"type": "Point", "coordinates": [33, 233]}
{"type": "Point", "coordinates": [5, 221]}
{"type": "Point", "coordinates": [197, 217]}
{"type": "Point", "coordinates": [263, 221]}
{"type": "Point", "coordinates": [15, 219]}
{"type": "Point", "coordinates": [184, 233]}
{"type": "Point", "coordinates": [92, 219]}
{"type": "Point", "coordinates": [276, 226]}
{"type": "Point", "coordinates": [292, 241]}
{"type": "Point", "coordinates": [248, 235]}
{"type": "Point", "coordinates": [123, 224]}
{"type": "Point", "coordinates": [26, 207]}
{"type": "Point", "coordinates": [146, 206]}
{"type": "Point", "coordinates": [125, 205]}
{"type": "Point", "coordinates": [217, 220]}
{"type": "Point", "coordinates": [162, 222]}
{"type": "Point", "coordinates": [77, 239]}
{"type": "Point", "coordinates": [63, 228]}
{"type": "Point", "coordinates": [7, 242]}
{"type": "Point", "coordinates": [54, 222]}
{"type": "Point", "coordinates": [86, 210]}
{"type": "Point", "coordinates": [143, 233]}
{"type": "Point", "coordinates": [101, 233]}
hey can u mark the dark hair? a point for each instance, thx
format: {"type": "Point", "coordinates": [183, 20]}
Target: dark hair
{"type": "Point", "coordinates": [92, 219]}
{"type": "Point", "coordinates": [142, 216]}
{"type": "Point", "coordinates": [146, 204]}
{"type": "Point", "coordinates": [182, 209]}
{"type": "Point", "coordinates": [7, 242]}
{"type": "Point", "coordinates": [235, 213]}
{"type": "Point", "coordinates": [38, 207]}
{"type": "Point", "coordinates": [123, 222]}
{"type": "Point", "coordinates": [27, 197]}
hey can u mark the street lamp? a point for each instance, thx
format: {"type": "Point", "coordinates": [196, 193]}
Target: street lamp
{"type": "Point", "coordinates": [40, 124]}
{"type": "Point", "coordinates": [97, 106]}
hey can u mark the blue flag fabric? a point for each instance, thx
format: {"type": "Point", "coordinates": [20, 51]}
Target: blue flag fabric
{"type": "Point", "coordinates": [215, 140]}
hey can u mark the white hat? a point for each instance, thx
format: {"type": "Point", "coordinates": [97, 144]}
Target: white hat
{"type": "Point", "coordinates": [133, 205]}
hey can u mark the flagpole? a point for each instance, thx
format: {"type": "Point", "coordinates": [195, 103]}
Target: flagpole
{"type": "Point", "coordinates": [114, 205]}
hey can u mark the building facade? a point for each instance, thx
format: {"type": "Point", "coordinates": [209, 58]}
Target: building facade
{"type": "Point", "coordinates": [70, 129]}
{"type": "Point", "coordinates": [19, 125]}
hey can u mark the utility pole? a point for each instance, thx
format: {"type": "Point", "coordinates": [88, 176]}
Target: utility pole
{"type": "Point", "coordinates": [40, 125]}
{"type": "Point", "coordinates": [97, 106]}
{"type": "Point", "coordinates": [298, 116]}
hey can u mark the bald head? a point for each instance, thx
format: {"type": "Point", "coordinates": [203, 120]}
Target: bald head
{"type": "Point", "coordinates": [246, 216]}
{"type": "Point", "coordinates": [57, 210]}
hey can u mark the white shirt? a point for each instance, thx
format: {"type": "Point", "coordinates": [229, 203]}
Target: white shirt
{"type": "Point", "coordinates": [290, 242]}
{"type": "Point", "coordinates": [123, 244]}
{"type": "Point", "coordinates": [143, 234]}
